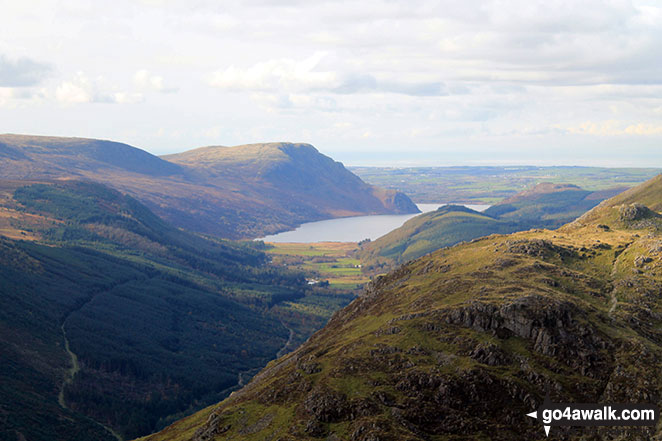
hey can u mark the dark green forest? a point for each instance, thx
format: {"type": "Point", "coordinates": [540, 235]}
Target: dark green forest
{"type": "Point", "coordinates": [162, 321]}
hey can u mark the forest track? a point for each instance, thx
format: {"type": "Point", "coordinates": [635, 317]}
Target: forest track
{"type": "Point", "coordinates": [70, 374]}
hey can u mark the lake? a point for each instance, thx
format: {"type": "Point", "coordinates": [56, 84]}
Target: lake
{"type": "Point", "coordinates": [353, 229]}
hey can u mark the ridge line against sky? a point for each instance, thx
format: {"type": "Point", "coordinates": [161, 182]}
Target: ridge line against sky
{"type": "Point", "coordinates": [371, 83]}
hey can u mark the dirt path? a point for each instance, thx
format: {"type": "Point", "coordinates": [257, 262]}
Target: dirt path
{"type": "Point", "coordinates": [613, 297]}
{"type": "Point", "coordinates": [614, 301]}
{"type": "Point", "coordinates": [74, 369]}
{"type": "Point", "coordinates": [71, 372]}
{"type": "Point", "coordinates": [284, 350]}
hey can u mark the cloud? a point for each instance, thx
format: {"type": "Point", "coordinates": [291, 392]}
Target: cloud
{"type": "Point", "coordinates": [125, 97]}
{"type": "Point", "coordinates": [21, 97]}
{"type": "Point", "coordinates": [434, 88]}
{"type": "Point", "coordinates": [290, 76]}
{"type": "Point", "coordinates": [275, 75]}
{"type": "Point", "coordinates": [22, 72]}
{"type": "Point", "coordinates": [70, 92]}
{"type": "Point", "coordinates": [294, 102]}
{"type": "Point", "coordinates": [83, 90]}
{"type": "Point", "coordinates": [146, 81]}
{"type": "Point", "coordinates": [422, 74]}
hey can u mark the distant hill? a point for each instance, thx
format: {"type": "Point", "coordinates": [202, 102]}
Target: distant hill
{"type": "Point", "coordinates": [638, 205]}
{"type": "Point", "coordinates": [545, 205]}
{"type": "Point", "coordinates": [427, 232]}
{"type": "Point", "coordinates": [29, 157]}
{"type": "Point", "coordinates": [463, 343]}
{"type": "Point", "coordinates": [549, 205]}
{"type": "Point", "coordinates": [237, 192]}
{"type": "Point", "coordinates": [161, 321]}
{"type": "Point", "coordinates": [296, 177]}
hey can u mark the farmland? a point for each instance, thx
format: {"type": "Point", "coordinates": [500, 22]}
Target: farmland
{"type": "Point", "coordinates": [330, 262]}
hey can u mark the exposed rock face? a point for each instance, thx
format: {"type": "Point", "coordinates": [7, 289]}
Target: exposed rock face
{"type": "Point", "coordinates": [538, 248]}
{"type": "Point", "coordinates": [326, 406]}
{"type": "Point", "coordinates": [550, 325]}
{"type": "Point", "coordinates": [634, 212]}
{"type": "Point", "coordinates": [213, 427]}
{"type": "Point", "coordinates": [398, 202]}
{"type": "Point", "coordinates": [490, 354]}
{"type": "Point", "coordinates": [639, 216]}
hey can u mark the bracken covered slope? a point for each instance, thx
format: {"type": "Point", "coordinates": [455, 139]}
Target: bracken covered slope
{"type": "Point", "coordinates": [237, 192]}
{"type": "Point", "coordinates": [462, 343]}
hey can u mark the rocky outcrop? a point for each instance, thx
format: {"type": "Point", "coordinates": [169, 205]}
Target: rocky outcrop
{"type": "Point", "coordinates": [634, 212]}
{"type": "Point", "coordinates": [551, 325]}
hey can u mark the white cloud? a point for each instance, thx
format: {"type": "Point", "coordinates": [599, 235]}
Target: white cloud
{"type": "Point", "coordinates": [500, 73]}
{"type": "Point", "coordinates": [644, 129]}
{"type": "Point", "coordinates": [277, 75]}
{"type": "Point", "coordinates": [146, 81]}
{"type": "Point", "coordinates": [78, 90]}
{"type": "Point", "coordinates": [6, 95]}
{"type": "Point", "coordinates": [290, 76]}
{"type": "Point", "coordinates": [81, 89]}
{"type": "Point", "coordinates": [212, 132]}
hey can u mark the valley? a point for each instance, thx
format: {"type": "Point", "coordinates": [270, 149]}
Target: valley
{"type": "Point", "coordinates": [137, 323]}
{"type": "Point", "coordinates": [134, 323]}
{"type": "Point", "coordinates": [461, 343]}
{"type": "Point", "coordinates": [330, 221]}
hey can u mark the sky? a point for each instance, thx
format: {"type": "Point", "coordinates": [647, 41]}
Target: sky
{"type": "Point", "coordinates": [375, 82]}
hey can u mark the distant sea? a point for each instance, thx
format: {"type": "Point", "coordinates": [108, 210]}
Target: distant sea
{"type": "Point", "coordinates": [353, 229]}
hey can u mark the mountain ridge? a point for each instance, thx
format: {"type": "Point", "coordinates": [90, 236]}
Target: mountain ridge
{"type": "Point", "coordinates": [298, 166]}
{"type": "Point", "coordinates": [263, 195]}
{"type": "Point", "coordinates": [70, 152]}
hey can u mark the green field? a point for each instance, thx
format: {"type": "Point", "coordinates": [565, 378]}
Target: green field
{"type": "Point", "coordinates": [330, 262]}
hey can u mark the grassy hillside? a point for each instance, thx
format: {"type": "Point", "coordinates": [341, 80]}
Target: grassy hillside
{"type": "Point", "coordinates": [111, 317]}
{"type": "Point", "coordinates": [612, 209]}
{"type": "Point", "coordinates": [545, 205]}
{"type": "Point", "coordinates": [462, 343]}
{"type": "Point", "coordinates": [237, 192]}
{"type": "Point", "coordinates": [549, 205]}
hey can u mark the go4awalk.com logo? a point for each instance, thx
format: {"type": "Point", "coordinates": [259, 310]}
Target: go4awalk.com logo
{"type": "Point", "coordinates": [594, 414]}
